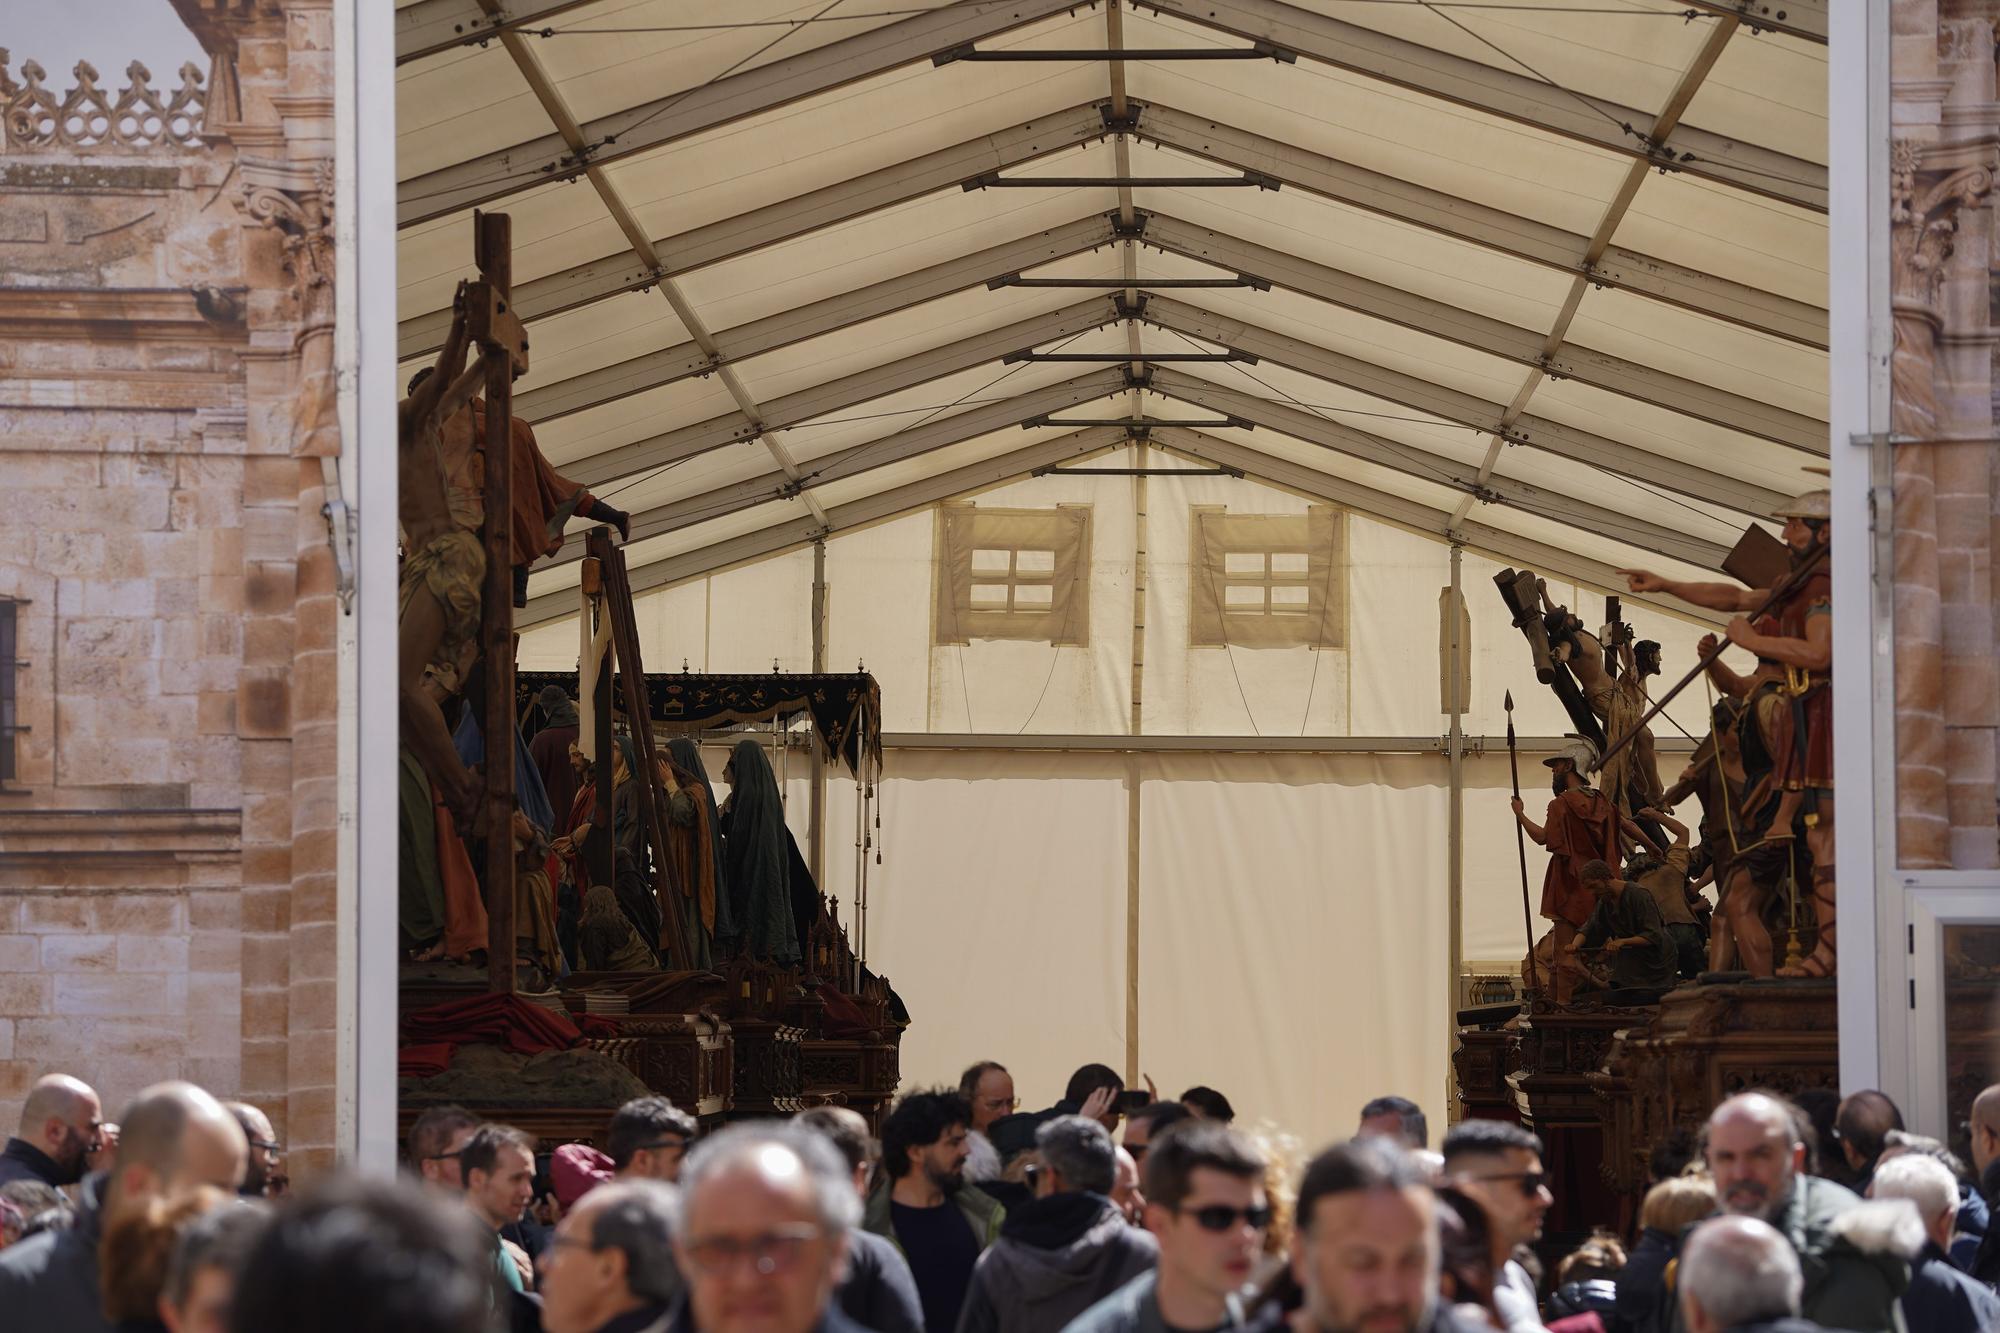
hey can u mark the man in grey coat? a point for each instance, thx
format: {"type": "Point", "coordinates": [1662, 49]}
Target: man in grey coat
{"type": "Point", "coordinates": [1068, 1248]}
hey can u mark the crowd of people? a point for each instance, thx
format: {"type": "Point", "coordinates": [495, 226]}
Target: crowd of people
{"type": "Point", "coordinates": [965, 1214]}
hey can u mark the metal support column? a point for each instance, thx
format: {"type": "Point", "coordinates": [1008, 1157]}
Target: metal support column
{"type": "Point", "coordinates": [1455, 800]}
{"type": "Point", "coordinates": [816, 832]}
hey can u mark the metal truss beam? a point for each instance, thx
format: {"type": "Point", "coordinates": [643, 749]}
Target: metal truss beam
{"type": "Point", "coordinates": [1509, 95]}
{"type": "Point", "coordinates": [1492, 336]}
{"type": "Point", "coordinates": [873, 509]}
{"type": "Point", "coordinates": [1393, 386]}
{"type": "Point", "coordinates": [1495, 543]}
{"type": "Point", "coordinates": [1492, 228]}
{"type": "Point", "coordinates": [785, 220]}
{"type": "Point", "coordinates": [1125, 743]}
{"type": "Point", "coordinates": [691, 111]}
{"type": "Point", "coordinates": [1440, 471]}
{"type": "Point", "coordinates": [893, 448]}
{"type": "Point", "coordinates": [1804, 19]}
{"type": "Point", "coordinates": [431, 26]}
{"type": "Point", "coordinates": [839, 395]}
{"type": "Point", "coordinates": [832, 315]}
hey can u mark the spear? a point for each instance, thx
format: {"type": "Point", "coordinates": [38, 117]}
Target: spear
{"type": "Point", "coordinates": [1521, 844]}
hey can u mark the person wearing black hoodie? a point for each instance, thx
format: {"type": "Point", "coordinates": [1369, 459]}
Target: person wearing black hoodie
{"type": "Point", "coordinates": [1067, 1249]}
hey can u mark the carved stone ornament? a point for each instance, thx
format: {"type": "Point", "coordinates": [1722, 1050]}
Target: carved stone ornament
{"type": "Point", "coordinates": [88, 120]}
{"type": "Point", "coordinates": [1923, 214]}
{"type": "Point", "coordinates": [298, 202]}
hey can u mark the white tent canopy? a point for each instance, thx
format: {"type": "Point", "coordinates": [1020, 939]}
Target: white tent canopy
{"type": "Point", "coordinates": [1541, 281]}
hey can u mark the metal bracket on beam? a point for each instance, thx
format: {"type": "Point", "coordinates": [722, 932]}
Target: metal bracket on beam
{"type": "Point", "coordinates": [1133, 230]}
{"type": "Point", "coordinates": [970, 53]}
{"type": "Point", "coordinates": [1112, 358]}
{"type": "Point", "coordinates": [1117, 124]}
{"type": "Point", "coordinates": [1135, 309]}
{"type": "Point", "coordinates": [1138, 379]}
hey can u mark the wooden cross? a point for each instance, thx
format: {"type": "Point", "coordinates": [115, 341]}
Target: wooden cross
{"type": "Point", "coordinates": [496, 330]}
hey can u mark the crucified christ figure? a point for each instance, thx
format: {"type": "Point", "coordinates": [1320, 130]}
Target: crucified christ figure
{"type": "Point", "coordinates": [443, 566]}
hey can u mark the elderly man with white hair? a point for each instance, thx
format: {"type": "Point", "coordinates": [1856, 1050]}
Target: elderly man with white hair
{"type": "Point", "coordinates": [1853, 1272]}
{"type": "Point", "coordinates": [1738, 1275]}
{"type": "Point", "coordinates": [764, 1217]}
{"type": "Point", "coordinates": [1940, 1299]}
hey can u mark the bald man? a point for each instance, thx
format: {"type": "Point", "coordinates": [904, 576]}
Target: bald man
{"type": "Point", "coordinates": [174, 1137]}
{"type": "Point", "coordinates": [59, 1129]}
{"type": "Point", "coordinates": [1986, 1165]}
{"type": "Point", "coordinates": [1738, 1273]}
{"type": "Point", "coordinates": [1758, 1162]}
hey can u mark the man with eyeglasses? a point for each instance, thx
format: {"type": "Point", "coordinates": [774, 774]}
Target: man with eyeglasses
{"type": "Point", "coordinates": [436, 1140]}
{"type": "Point", "coordinates": [1206, 1207]}
{"type": "Point", "coordinates": [989, 1090]}
{"type": "Point", "coordinates": [1064, 1250]}
{"type": "Point", "coordinates": [648, 1139]}
{"type": "Point", "coordinates": [59, 1129]}
{"type": "Point", "coordinates": [610, 1266]}
{"type": "Point", "coordinates": [262, 1178]}
{"type": "Point", "coordinates": [764, 1216]}
{"type": "Point", "coordinates": [1499, 1167]}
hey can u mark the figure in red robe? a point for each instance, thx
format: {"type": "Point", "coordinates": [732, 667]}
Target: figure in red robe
{"type": "Point", "coordinates": [1581, 827]}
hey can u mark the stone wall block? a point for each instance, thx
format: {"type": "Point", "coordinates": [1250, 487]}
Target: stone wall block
{"type": "Point", "coordinates": [23, 994]}
{"type": "Point", "coordinates": [79, 953]}
{"type": "Point", "coordinates": [88, 993]}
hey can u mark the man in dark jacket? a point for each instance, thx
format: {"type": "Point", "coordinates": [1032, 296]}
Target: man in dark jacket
{"type": "Point", "coordinates": [1757, 1159]}
{"type": "Point", "coordinates": [1986, 1166]}
{"type": "Point", "coordinates": [877, 1290]}
{"type": "Point", "coordinates": [174, 1138]}
{"type": "Point", "coordinates": [1067, 1249]}
{"type": "Point", "coordinates": [1862, 1124]}
{"type": "Point", "coordinates": [1738, 1275]}
{"type": "Point", "coordinates": [611, 1267]}
{"type": "Point", "coordinates": [60, 1123]}
{"type": "Point", "coordinates": [938, 1222]}
{"type": "Point", "coordinates": [1940, 1299]}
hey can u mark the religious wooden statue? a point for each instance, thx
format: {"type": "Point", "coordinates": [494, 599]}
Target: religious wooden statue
{"type": "Point", "coordinates": [1581, 826]}
{"type": "Point", "coordinates": [438, 605]}
{"type": "Point", "coordinates": [1790, 696]}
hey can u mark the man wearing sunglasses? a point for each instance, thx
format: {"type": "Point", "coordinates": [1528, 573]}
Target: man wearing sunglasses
{"type": "Point", "coordinates": [1499, 1167]}
{"type": "Point", "coordinates": [765, 1213]}
{"type": "Point", "coordinates": [648, 1138]}
{"type": "Point", "coordinates": [1205, 1205]}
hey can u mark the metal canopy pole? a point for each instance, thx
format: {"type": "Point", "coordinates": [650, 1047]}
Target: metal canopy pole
{"type": "Point", "coordinates": [1454, 660]}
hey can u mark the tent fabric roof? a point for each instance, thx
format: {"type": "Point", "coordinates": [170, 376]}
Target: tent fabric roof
{"type": "Point", "coordinates": [1547, 275]}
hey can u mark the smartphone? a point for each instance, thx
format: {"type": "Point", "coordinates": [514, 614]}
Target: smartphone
{"type": "Point", "coordinates": [1129, 1101]}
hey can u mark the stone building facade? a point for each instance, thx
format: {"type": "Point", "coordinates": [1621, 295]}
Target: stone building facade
{"type": "Point", "coordinates": [1944, 250]}
{"type": "Point", "coordinates": [167, 785]}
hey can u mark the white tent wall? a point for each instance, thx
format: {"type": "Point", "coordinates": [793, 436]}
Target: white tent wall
{"type": "Point", "coordinates": [1268, 898]}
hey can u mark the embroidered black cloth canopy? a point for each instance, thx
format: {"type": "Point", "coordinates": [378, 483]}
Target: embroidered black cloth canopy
{"type": "Point", "coordinates": [846, 709]}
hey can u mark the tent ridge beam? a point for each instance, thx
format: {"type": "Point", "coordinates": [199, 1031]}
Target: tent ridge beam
{"type": "Point", "coordinates": [683, 114]}
{"type": "Point", "coordinates": [775, 223]}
